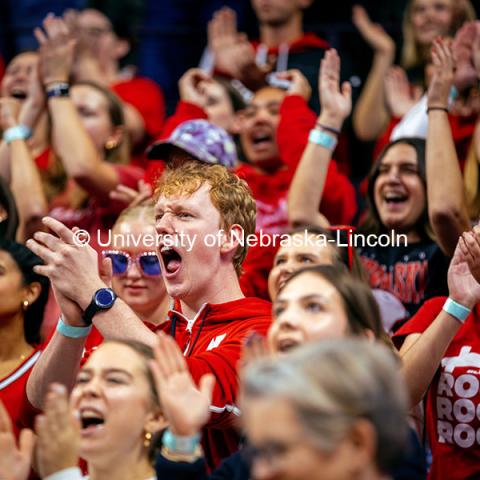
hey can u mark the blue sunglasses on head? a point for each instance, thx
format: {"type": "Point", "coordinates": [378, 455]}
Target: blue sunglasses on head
{"type": "Point", "coordinates": [147, 262]}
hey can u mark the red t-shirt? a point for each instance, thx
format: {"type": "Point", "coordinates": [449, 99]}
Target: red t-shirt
{"type": "Point", "coordinates": [453, 399]}
{"type": "Point", "coordinates": [12, 392]}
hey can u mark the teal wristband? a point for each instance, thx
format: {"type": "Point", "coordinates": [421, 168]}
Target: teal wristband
{"type": "Point", "coordinates": [19, 132]}
{"type": "Point", "coordinates": [322, 138]}
{"type": "Point", "coordinates": [72, 332]}
{"type": "Point", "coordinates": [456, 310]}
{"type": "Point", "coordinates": [181, 445]}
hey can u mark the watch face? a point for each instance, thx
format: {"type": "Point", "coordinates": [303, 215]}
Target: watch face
{"type": "Point", "coordinates": [104, 298]}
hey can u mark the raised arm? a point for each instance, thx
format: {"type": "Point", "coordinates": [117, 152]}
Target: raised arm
{"type": "Point", "coordinates": [306, 189]}
{"type": "Point", "coordinates": [422, 353]}
{"type": "Point", "coordinates": [23, 172]}
{"type": "Point", "coordinates": [371, 116]}
{"type": "Point", "coordinates": [81, 159]}
{"type": "Point", "coordinates": [445, 191]}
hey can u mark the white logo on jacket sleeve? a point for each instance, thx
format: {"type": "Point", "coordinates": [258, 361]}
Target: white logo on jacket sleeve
{"type": "Point", "coordinates": [215, 342]}
{"type": "Point", "coordinates": [465, 358]}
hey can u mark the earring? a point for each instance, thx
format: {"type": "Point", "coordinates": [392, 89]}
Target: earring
{"type": "Point", "coordinates": [111, 144]}
{"type": "Point", "coordinates": [148, 439]}
{"type": "Point", "coordinates": [25, 305]}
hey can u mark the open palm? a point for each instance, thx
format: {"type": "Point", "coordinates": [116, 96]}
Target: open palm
{"type": "Point", "coordinates": [462, 285]}
{"type": "Point", "coordinates": [185, 406]}
{"type": "Point", "coordinates": [15, 461]}
{"type": "Point", "coordinates": [334, 100]}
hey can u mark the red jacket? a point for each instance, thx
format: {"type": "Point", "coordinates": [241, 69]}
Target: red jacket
{"type": "Point", "coordinates": [212, 343]}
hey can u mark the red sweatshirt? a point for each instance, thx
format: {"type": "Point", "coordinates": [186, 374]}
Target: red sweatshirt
{"type": "Point", "coordinates": [212, 343]}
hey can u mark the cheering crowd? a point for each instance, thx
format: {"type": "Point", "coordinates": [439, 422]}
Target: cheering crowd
{"type": "Point", "coordinates": [141, 336]}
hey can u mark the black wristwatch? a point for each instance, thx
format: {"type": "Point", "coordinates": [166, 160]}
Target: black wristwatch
{"type": "Point", "coordinates": [103, 299]}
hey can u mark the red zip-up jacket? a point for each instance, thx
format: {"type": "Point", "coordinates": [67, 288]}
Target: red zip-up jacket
{"type": "Point", "coordinates": [212, 343]}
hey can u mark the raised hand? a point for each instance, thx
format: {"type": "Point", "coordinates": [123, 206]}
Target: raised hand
{"type": "Point", "coordinates": [233, 52]}
{"type": "Point", "coordinates": [373, 33]}
{"type": "Point", "coordinates": [71, 266]}
{"type": "Point", "coordinates": [399, 95]}
{"type": "Point", "coordinates": [298, 83]}
{"type": "Point", "coordinates": [470, 246]}
{"type": "Point", "coordinates": [58, 433]}
{"type": "Point", "coordinates": [254, 348]}
{"type": "Point", "coordinates": [15, 461]}
{"type": "Point", "coordinates": [57, 49]}
{"type": "Point", "coordinates": [34, 104]}
{"type": "Point", "coordinates": [464, 271]}
{"type": "Point", "coordinates": [335, 102]}
{"type": "Point", "coordinates": [130, 196]}
{"type": "Point", "coordinates": [463, 49]}
{"type": "Point", "coordinates": [443, 73]}
{"type": "Point", "coordinates": [191, 85]}
{"type": "Point", "coordinates": [185, 406]}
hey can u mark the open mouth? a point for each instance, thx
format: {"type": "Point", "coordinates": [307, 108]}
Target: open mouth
{"type": "Point", "coordinates": [90, 420]}
{"type": "Point", "coordinates": [395, 198]}
{"type": "Point", "coordinates": [286, 344]}
{"type": "Point", "coordinates": [18, 94]}
{"type": "Point", "coordinates": [262, 139]}
{"type": "Point", "coordinates": [171, 259]}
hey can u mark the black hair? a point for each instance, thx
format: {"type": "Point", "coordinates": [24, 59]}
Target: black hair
{"type": "Point", "coordinates": [373, 223]}
{"type": "Point", "coordinates": [26, 260]}
{"type": "Point", "coordinates": [235, 97]}
{"type": "Point", "coordinates": [9, 226]}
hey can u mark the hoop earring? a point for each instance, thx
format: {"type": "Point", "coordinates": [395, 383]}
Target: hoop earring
{"type": "Point", "coordinates": [148, 439]}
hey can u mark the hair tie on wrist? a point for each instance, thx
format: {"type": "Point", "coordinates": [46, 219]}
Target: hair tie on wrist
{"type": "Point", "coordinates": [443, 109]}
{"type": "Point", "coordinates": [335, 131]}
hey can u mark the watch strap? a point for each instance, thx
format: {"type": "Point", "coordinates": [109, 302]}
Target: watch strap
{"type": "Point", "coordinates": [60, 89]}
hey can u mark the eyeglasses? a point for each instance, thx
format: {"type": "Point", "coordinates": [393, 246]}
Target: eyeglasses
{"type": "Point", "coordinates": [147, 262]}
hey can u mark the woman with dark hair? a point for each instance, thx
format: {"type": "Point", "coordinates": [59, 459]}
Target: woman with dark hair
{"type": "Point", "coordinates": [24, 295]}
{"type": "Point", "coordinates": [410, 230]}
